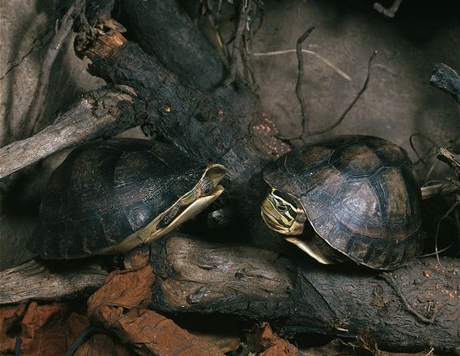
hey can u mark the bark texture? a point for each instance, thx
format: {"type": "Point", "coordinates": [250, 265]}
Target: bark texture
{"type": "Point", "coordinates": [35, 280]}
{"type": "Point", "coordinates": [413, 308]}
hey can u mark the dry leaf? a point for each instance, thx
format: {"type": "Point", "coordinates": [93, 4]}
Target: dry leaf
{"type": "Point", "coordinates": [9, 318]}
{"type": "Point", "coordinates": [263, 340]}
{"type": "Point", "coordinates": [102, 345]}
{"type": "Point", "coordinates": [125, 289]}
{"type": "Point", "coordinates": [49, 329]}
{"type": "Point", "coordinates": [120, 306]}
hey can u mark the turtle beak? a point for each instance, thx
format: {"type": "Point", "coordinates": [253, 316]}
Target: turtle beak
{"type": "Point", "coordinates": [206, 191]}
{"type": "Point", "coordinates": [214, 173]}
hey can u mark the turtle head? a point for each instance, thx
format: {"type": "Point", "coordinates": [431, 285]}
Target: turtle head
{"type": "Point", "coordinates": [283, 213]}
{"type": "Point", "coordinates": [206, 190]}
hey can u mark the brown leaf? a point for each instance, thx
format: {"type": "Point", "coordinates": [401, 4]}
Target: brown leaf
{"type": "Point", "coordinates": [120, 305]}
{"type": "Point", "coordinates": [263, 340]}
{"type": "Point", "coordinates": [49, 330]}
{"type": "Point", "coordinates": [9, 317]}
{"type": "Point", "coordinates": [125, 289]}
{"type": "Point", "coordinates": [225, 343]}
{"type": "Point", "coordinates": [102, 345]}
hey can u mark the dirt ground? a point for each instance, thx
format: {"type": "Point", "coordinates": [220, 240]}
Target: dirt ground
{"type": "Point", "coordinates": [398, 102]}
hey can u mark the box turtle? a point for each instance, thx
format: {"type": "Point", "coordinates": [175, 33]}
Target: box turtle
{"type": "Point", "coordinates": [108, 197]}
{"type": "Point", "coordinates": [349, 197]}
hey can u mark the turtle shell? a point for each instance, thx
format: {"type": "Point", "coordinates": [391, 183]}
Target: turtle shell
{"type": "Point", "coordinates": [106, 191]}
{"type": "Point", "coordinates": [360, 195]}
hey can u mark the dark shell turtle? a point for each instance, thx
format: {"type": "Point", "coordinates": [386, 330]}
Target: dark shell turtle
{"type": "Point", "coordinates": [108, 197]}
{"type": "Point", "coordinates": [360, 195]}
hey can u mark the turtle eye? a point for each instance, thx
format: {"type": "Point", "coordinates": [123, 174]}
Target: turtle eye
{"type": "Point", "coordinates": [282, 208]}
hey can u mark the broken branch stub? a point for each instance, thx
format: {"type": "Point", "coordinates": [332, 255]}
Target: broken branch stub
{"type": "Point", "coordinates": [446, 79]}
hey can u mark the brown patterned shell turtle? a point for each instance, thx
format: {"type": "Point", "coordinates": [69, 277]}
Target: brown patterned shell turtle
{"type": "Point", "coordinates": [359, 194]}
{"type": "Point", "coordinates": [108, 197]}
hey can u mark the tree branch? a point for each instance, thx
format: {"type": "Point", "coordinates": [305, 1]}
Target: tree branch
{"type": "Point", "coordinates": [100, 113]}
{"type": "Point", "coordinates": [175, 40]}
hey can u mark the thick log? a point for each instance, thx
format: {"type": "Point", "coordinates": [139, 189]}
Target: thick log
{"type": "Point", "coordinates": [413, 308]}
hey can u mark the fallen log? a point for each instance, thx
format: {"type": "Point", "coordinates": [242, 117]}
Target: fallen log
{"type": "Point", "coordinates": [414, 308]}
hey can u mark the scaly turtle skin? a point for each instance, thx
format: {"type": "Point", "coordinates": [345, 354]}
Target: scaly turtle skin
{"type": "Point", "coordinates": [108, 197]}
{"type": "Point", "coordinates": [358, 193]}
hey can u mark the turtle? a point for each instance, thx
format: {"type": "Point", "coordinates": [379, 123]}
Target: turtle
{"type": "Point", "coordinates": [347, 198]}
{"type": "Point", "coordinates": [110, 196]}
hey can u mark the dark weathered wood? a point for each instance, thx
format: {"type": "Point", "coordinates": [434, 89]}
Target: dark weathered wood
{"type": "Point", "coordinates": [413, 308]}
{"type": "Point", "coordinates": [35, 280]}
{"type": "Point", "coordinates": [446, 79]}
{"type": "Point", "coordinates": [175, 40]}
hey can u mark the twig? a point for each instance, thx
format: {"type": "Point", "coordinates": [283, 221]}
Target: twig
{"type": "Point", "coordinates": [451, 159]}
{"type": "Point", "coordinates": [36, 106]}
{"type": "Point", "coordinates": [419, 156]}
{"type": "Point", "coordinates": [321, 58]}
{"type": "Point", "coordinates": [241, 25]}
{"type": "Point", "coordinates": [361, 92]}
{"type": "Point", "coordinates": [299, 84]}
{"type": "Point", "coordinates": [83, 337]}
{"type": "Point", "coordinates": [436, 190]}
{"type": "Point", "coordinates": [388, 277]}
{"type": "Point", "coordinates": [388, 12]}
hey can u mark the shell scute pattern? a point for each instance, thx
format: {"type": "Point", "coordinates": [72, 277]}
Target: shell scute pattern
{"type": "Point", "coordinates": [106, 191]}
{"type": "Point", "coordinates": [360, 195]}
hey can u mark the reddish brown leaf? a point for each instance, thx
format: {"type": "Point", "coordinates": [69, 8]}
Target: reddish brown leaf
{"type": "Point", "coordinates": [9, 317]}
{"type": "Point", "coordinates": [102, 345]}
{"type": "Point", "coordinates": [268, 344]}
{"type": "Point", "coordinates": [120, 306]}
{"type": "Point", "coordinates": [124, 289]}
{"type": "Point", "coordinates": [225, 343]}
{"type": "Point", "coordinates": [49, 330]}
